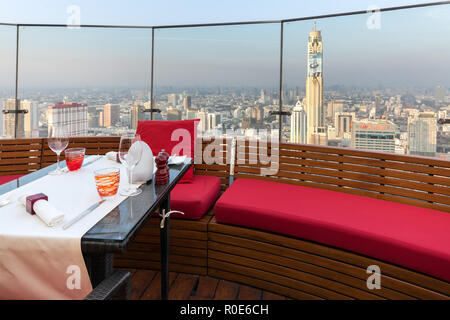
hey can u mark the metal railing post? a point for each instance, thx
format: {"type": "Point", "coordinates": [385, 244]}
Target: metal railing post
{"type": "Point", "coordinates": [280, 119]}
{"type": "Point", "coordinates": [16, 113]}
{"type": "Point", "coordinates": [151, 74]}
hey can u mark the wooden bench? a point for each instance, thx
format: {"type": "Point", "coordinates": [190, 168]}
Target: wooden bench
{"type": "Point", "coordinates": [307, 270]}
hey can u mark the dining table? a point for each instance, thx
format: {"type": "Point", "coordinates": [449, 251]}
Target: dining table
{"type": "Point", "coordinates": [114, 232]}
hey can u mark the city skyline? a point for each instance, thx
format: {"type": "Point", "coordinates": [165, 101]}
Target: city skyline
{"type": "Point", "coordinates": [343, 83]}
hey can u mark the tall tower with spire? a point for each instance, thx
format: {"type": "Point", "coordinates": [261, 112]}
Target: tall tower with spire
{"type": "Point", "coordinates": [314, 89]}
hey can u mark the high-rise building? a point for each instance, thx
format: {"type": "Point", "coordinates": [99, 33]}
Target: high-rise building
{"type": "Point", "coordinates": [24, 122]}
{"type": "Point", "coordinates": [203, 116]}
{"type": "Point", "coordinates": [343, 122]}
{"type": "Point", "coordinates": [299, 124]}
{"type": "Point", "coordinates": [187, 103]}
{"type": "Point", "coordinates": [191, 114]}
{"type": "Point", "coordinates": [172, 99]}
{"type": "Point", "coordinates": [439, 93]}
{"type": "Point", "coordinates": [376, 135]}
{"type": "Point", "coordinates": [211, 121]}
{"type": "Point", "coordinates": [173, 114]}
{"type": "Point", "coordinates": [111, 114]}
{"type": "Point", "coordinates": [93, 117]}
{"type": "Point", "coordinates": [333, 107]}
{"type": "Point", "coordinates": [262, 98]}
{"type": "Point", "coordinates": [314, 88]}
{"type": "Point", "coordinates": [73, 116]}
{"type": "Point", "coordinates": [9, 119]}
{"type": "Point", "coordinates": [422, 134]}
{"type": "Point", "coordinates": [137, 114]}
{"type": "Point", "coordinates": [101, 118]}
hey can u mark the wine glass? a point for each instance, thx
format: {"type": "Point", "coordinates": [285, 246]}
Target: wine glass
{"type": "Point", "coordinates": [58, 140]}
{"type": "Point", "coordinates": [130, 152]}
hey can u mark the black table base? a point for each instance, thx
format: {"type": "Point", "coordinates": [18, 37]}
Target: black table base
{"type": "Point", "coordinates": [164, 241]}
{"type": "Point", "coordinates": [100, 266]}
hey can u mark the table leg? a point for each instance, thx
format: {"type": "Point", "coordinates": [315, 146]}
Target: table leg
{"type": "Point", "coordinates": [100, 266]}
{"type": "Point", "coordinates": [164, 240]}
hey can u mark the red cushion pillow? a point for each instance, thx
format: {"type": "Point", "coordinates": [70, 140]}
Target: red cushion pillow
{"type": "Point", "coordinates": [175, 137]}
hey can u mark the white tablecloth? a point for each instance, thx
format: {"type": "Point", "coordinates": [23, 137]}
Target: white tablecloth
{"type": "Point", "coordinates": [40, 262]}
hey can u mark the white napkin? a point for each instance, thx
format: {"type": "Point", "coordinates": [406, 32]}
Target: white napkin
{"type": "Point", "coordinates": [145, 168]}
{"type": "Point", "coordinates": [45, 211]}
{"type": "Point", "coordinates": [112, 155]}
{"type": "Point", "coordinates": [176, 159]}
{"type": "Point", "coordinates": [143, 171]}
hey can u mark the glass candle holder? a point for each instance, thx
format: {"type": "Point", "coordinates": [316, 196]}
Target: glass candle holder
{"type": "Point", "coordinates": [107, 182]}
{"type": "Point", "coordinates": [74, 158]}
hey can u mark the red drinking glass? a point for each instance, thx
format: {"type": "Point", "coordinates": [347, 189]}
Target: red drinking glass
{"type": "Point", "coordinates": [74, 158]}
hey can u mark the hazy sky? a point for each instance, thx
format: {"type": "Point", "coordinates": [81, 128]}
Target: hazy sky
{"type": "Point", "coordinates": [409, 49]}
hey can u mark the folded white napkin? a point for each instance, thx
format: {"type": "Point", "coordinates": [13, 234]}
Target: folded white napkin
{"type": "Point", "coordinates": [176, 159]}
{"type": "Point", "coordinates": [145, 168]}
{"type": "Point", "coordinates": [143, 171]}
{"type": "Point", "coordinates": [112, 155]}
{"type": "Point", "coordinates": [45, 211]}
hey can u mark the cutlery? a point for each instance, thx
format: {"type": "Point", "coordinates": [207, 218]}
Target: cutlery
{"type": "Point", "coordinates": [83, 214]}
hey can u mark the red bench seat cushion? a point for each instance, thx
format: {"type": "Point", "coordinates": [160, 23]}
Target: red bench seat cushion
{"type": "Point", "coordinates": [412, 237]}
{"type": "Point", "coordinates": [195, 198]}
{"type": "Point", "coordinates": [5, 179]}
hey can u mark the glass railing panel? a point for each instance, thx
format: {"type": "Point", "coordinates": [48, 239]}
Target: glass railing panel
{"type": "Point", "coordinates": [226, 76]}
{"type": "Point", "coordinates": [7, 79]}
{"type": "Point", "coordinates": [375, 81]}
{"type": "Point", "coordinates": [89, 79]}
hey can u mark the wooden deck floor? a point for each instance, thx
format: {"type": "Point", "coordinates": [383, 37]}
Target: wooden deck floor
{"type": "Point", "coordinates": [146, 285]}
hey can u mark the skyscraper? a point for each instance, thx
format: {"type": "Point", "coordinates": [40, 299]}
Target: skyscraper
{"type": "Point", "coordinates": [172, 99]}
{"type": "Point", "coordinates": [187, 103]}
{"type": "Point", "coordinates": [343, 122]}
{"type": "Point", "coordinates": [211, 121]}
{"type": "Point", "coordinates": [422, 131]}
{"type": "Point", "coordinates": [111, 114]}
{"type": "Point", "coordinates": [173, 114]}
{"type": "Point", "coordinates": [24, 122]}
{"type": "Point", "coordinates": [137, 114]}
{"type": "Point", "coordinates": [376, 135]}
{"type": "Point", "coordinates": [203, 116]}
{"type": "Point", "coordinates": [299, 124]}
{"type": "Point", "coordinates": [73, 116]}
{"type": "Point", "coordinates": [333, 107]}
{"type": "Point", "coordinates": [314, 89]}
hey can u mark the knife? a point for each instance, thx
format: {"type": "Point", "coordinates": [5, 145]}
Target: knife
{"type": "Point", "coordinates": [81, 215]}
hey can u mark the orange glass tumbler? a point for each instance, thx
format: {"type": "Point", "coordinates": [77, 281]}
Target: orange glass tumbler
{"type": "Point", "coordinates": [107, 182]}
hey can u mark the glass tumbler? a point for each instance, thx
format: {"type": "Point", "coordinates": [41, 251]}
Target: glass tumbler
{"type": "Point", "coordinates": [107, 182]}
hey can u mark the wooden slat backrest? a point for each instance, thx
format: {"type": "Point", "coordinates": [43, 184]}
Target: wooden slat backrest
{"type": "Point", "coordinates": [211, 159]}
{"type": "Point", "coordinates": [20, 156]}
{"type": "Point", "coordinates": [419, 181]}
{"type": "Point", "coordinates": [93, 145]}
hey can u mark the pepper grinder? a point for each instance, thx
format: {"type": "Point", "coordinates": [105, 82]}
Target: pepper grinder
{"type": "Point", "coordinates": [162, 172]}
